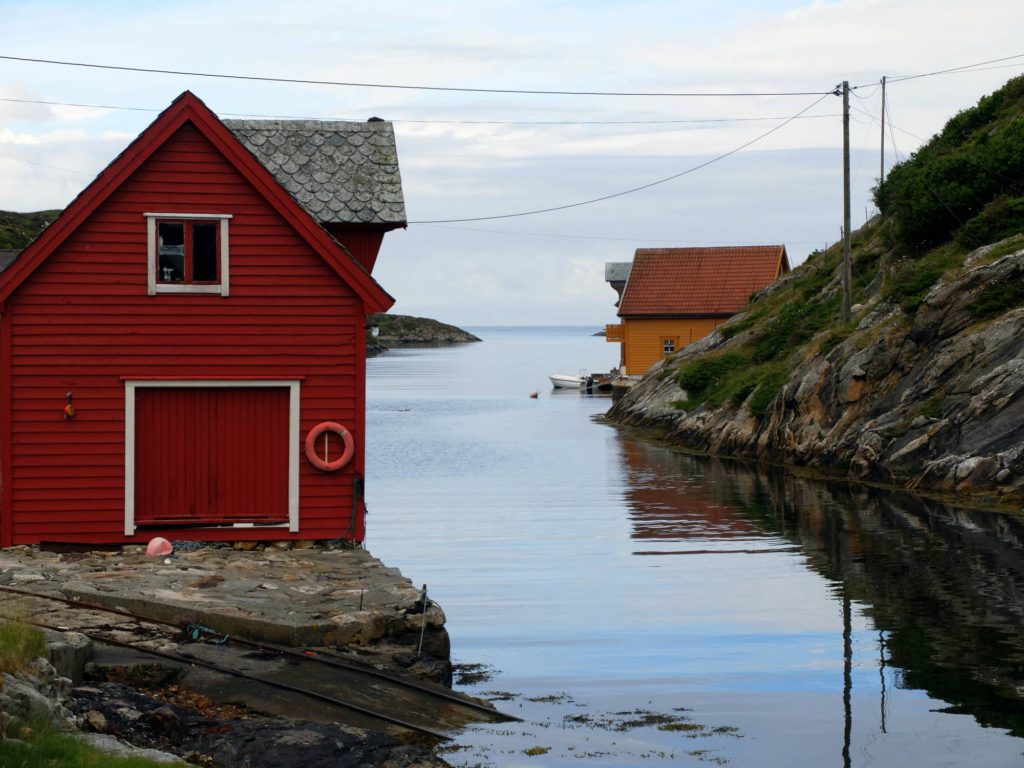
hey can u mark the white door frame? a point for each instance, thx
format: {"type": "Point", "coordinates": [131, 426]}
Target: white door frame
{"type": "Point", "coordinates": [131, 385]}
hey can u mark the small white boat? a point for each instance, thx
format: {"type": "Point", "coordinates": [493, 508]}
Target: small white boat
{"type": "Point", "coordinates": [566, 381]}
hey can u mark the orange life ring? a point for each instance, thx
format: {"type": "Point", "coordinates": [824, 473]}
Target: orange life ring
{"type": "Point", "coordinates": [346, 455]}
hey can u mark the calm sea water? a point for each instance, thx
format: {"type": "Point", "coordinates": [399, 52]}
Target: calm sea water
{"type": "Point", "coordinates": [639, 607]}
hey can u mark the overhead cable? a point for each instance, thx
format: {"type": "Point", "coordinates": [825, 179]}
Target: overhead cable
{"type": "Point", "coordinates": [951, 70]}
{"type": "Point", "coordinates": [402, 121]}
{"type": "Point", "coordinates": [45, 165]}
{"type": "Point", "coordinates": [563, 236]}
{"type": "Point", "coordinates": [463, 89]}
{"type": "Point", "coordinates": [874, 119]}
{"type": "Point", "coordinates": [674, 176]}
{"type": "Point", "coordinates": [394, 86]}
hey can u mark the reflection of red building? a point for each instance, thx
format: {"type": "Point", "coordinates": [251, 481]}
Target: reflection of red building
{"type": "Point", "coordinates": [669, 498]}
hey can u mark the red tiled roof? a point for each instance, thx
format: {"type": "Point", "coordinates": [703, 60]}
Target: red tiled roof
{"type": "Point", "coordinates": [699, 281]}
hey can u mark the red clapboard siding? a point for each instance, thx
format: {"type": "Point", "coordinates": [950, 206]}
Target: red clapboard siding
{"type": "Point", "coordinates": [83, 323]}
{"type": "Point", "coordinates": [363, 244]}
{"type": "Point", "coordinates": [211, 455]}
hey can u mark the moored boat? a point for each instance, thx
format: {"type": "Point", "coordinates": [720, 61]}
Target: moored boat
{"type": "Point", "coordinates": [567, 381]}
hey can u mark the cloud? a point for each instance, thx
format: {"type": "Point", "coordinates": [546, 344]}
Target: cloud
{"type": "Point", "coordinates": [14, 105]}
{"type": "Point", "coordinates": [785, 188]}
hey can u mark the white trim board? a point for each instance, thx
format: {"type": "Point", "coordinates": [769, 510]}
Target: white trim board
{"type": "Point", "coordinates": [153, 287]}
{"type": "Point", "coordinates": [294, 404]}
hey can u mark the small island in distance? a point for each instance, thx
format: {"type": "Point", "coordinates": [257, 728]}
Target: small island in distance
{"type": "Point", "coordinates": [406, 331]}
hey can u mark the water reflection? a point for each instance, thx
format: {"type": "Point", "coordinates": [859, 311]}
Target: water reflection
{"type": "Point", "coordinates": [671, 498]}
{"type": "Point", "coordinates": [943, 586]}
{"type": "Point", "coordinates": [605, 581]}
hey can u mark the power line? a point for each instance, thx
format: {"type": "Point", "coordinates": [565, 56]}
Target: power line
{"type": "Point", "coordinates": [45, 165]}
{"type": "Point", "coordinates": [892, 132]}
{"type": "Point", "coordinates": [605, 197]}
{"type": "Point", "coordinates": [562, 236]}
{"type": "Point", "coordinates": [634, 189]}
{"type": "Point", "coordinates": [401, 121]}
{"type": "Point", "coordinates": [963, 67]}
{"type": "Point", "coordinates": [990, 69]}
{"type": "Point", "coordinates": [867, 137]}
{"type": "Point", "coordinates": [612, 122]}
{"type": "Point", "coordinates": [73, 104]}
{"type": "Point", "coordinates": [856, 120]}
{"type": "Point", "coordinates": [463, 89]}
{"type": "Point", "coordinates": [874, 119]}
{"type": "Point", "coordinates": [983, 166]}
{"type": "Point", "coordinates": [394, 86]}
{"type": "Point", "coordinates": [867, 96]}
{"type": "Point", "coordinates": [900, 79]}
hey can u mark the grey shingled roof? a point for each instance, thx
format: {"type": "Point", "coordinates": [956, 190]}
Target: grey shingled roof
{"type": "Point", "coordinates": [338, 171]}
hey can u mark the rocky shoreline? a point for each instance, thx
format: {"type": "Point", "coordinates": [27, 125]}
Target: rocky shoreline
{"type": "Point", "coordinates": [341, 599]}
{"type": "Point", "coordinates": [932, 401]}
{"type": "Point", "coordinates": [162, 722]}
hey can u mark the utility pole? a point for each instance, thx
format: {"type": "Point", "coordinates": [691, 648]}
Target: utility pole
{"type": "Point", "coordinates": [844, 314]}
{"type": "Point", "coordinates": [881, 162]}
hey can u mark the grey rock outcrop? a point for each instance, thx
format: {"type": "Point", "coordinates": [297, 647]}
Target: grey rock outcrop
{"type": "Point", "coordinates": [68, 652]}
{"type": "Point", "coordinates": [931, 400]}
{"type": "Point", "coordinates": [114, 746]}
{"type": "Point", "coordinates": [35, 693]}
{"type": "Point", "coordinates": [40, 693]}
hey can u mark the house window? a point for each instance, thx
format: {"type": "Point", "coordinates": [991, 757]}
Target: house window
{"type": "Point", "coordinates": [188, 252]}
{"type": "Point", "coordinates": [668, 346]}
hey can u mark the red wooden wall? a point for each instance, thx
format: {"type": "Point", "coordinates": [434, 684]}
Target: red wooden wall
{"type": "Point", "coordinates": [189, 442]}
{"type": "Point", "coordinates": [363, 243]}
{"type": "Point", "coordinates": [83, 323]}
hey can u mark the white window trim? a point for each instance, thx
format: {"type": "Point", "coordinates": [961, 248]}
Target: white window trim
{"type": "Point", "coordinates": [293, 442]}
{"type": "Point", "coordinates": [153, 286]}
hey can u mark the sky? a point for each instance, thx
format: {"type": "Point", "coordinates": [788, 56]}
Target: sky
{"type": "Point", "coordinates": [466, 155]}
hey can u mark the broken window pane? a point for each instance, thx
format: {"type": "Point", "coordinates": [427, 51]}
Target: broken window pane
{"type": "Point", "coordinates": [204, 252]}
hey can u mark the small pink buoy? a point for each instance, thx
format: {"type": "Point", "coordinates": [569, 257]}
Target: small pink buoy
{"type": "Point", "coordinates": [159, 547]}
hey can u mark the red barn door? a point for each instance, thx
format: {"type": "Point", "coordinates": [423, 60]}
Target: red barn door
{"type": "Point", "coordinates": [211, 455]}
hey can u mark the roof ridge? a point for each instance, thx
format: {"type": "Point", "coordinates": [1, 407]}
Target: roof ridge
{"type": "Point", "coordinates": [306, 124]}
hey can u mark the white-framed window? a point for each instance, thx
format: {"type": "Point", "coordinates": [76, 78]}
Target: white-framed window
{"type": "Point", "coordinates": [187, 252]}
{"type": "Point", "coordinates": [668, 346]}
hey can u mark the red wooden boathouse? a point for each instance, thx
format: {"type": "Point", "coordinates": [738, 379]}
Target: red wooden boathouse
{"type": "Point", "coordinates": [170, 341]}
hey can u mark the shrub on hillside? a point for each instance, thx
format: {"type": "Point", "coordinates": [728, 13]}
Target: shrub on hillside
{"type": "Point", "coordinates": [703, 375]}
{"type": "Point", "coordinates": [1001, 218]}
{"type": "Point", "coordinates": [913, 278]}
{"type": "Point", "coordinates": [794, 324]}
{"type": "Point", "coordinates": [771, 381]}
{"type": "Point", "coordinates": [998, 297]}
{"type": "Point", "coordinates": [978, 156]}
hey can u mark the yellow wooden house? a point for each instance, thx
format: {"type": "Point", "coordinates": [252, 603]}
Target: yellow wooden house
{"type": "Point", "coordinates": [671, 297]}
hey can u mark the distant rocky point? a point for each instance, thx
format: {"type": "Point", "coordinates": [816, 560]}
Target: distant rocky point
{"type": "Point", "coordinates": [403, 330]}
